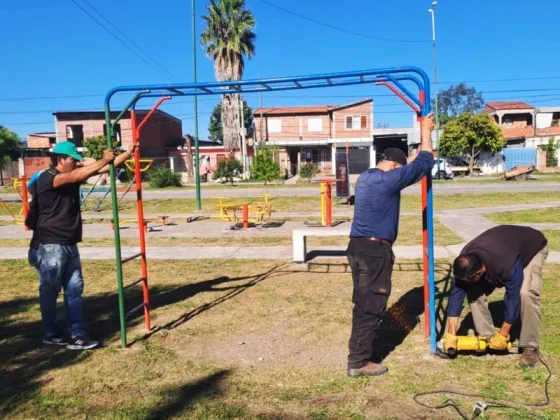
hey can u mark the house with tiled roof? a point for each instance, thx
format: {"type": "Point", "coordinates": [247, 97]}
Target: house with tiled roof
{"type": "Point", "coordinates": [523, 124]}
{"type": "Point", "coordinates": [526, 126]}
{"type": "Point", "coordinates": [318, 133]}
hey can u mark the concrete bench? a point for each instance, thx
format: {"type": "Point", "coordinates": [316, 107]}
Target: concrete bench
{"type": "Point", "coordinates": [299, 239]}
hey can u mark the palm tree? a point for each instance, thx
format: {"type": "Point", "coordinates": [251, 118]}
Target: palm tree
{"type": "Point", "coordinates": [228, 39]}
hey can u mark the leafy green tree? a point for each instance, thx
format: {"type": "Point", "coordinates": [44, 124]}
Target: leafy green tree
{"type": "Point", "coordinates": [265, 166]}
{"type": "Point", "coordinates": [9, 147]}
{"type": "Point", "coordinates": [469, 134]}
{"type": "Point", "coordinates": [95, 146]}
{"type": "Point", "coordinates": [229, 39]}
{"type": "Point", "coordinates": [456, 100]}
{"type": "Point", "coordinates": [228, 169]}
{"type": "Point", "coordinates": [550, 149]}
{"type": "Point", "coordinates": [308, 171]}
{"type": "Point", "coordinates": [215, 127]}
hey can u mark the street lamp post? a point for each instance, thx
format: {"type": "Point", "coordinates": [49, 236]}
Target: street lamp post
{"type": "Point", "coordinates": [432, 11]}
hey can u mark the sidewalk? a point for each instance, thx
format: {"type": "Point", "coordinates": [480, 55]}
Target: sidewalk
{"type": "Point", "coordinates": [260, 253]}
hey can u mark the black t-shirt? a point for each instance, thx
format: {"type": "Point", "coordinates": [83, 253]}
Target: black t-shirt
{"type": "Point", "coordinates": [500, 247]}
{"type": "Point", "coordinates": [59, 218]}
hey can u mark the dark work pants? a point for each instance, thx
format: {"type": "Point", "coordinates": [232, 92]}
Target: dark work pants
{"type": "Point", "coordinates": [372, 265]}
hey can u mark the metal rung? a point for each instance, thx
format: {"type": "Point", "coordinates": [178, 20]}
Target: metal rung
{"type": "Point", "coordinates": [297, 84]}
{"type": "Point", "coordinates": [132, 258]}
{"type": "Point", "coordinates": [134, 310]}
{"type": "Point", "coordinates": [329, 81]}
{"type": "Point", "coordinates": [141, 279]}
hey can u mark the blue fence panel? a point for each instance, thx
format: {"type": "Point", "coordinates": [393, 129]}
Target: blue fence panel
{"type": "Point", "coordinates": [519, 156]}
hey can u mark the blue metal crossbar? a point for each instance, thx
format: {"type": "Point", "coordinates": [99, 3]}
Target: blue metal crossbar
{"type": "Point", "coordinates": [392, 75]}
{"type": "Point", "coordinates": [286, 83]}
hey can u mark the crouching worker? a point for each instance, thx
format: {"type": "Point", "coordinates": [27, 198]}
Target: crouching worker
{"type": "Point", "coordinates": [511, 257]}
{"type": "Point", "coordinates": [56, 221]}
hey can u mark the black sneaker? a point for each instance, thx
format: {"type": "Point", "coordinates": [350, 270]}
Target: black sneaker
{"type": "Point", "coordinates": [80, 343]}
{"type": "Point", "coordinates": [55, 340]}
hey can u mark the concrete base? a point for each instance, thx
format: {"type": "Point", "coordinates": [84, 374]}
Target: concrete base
{"type": "Point", "coordinates": [299, 240]}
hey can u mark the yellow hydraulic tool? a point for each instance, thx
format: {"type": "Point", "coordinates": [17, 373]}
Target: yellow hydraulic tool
{"type": "Point", "coordinates": [468, 343]}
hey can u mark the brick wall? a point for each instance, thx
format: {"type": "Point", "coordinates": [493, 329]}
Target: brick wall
{"type": "Point", "coordinates": [294, 127]}
{"type": "Point", "coordinates": [35, 164]}
{"type": "Point", "coordinates": [94, 127]}
{"type": "Point", "coordinates": [37, 142]}
{"type": "Point", "coordinates": [339, 117]}
{"type": "Point", "coordinates": [159, 131]}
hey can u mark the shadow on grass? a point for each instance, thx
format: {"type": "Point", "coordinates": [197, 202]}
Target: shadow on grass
{"type": "Point", "coordinates": [178, 400]}
{"type": "Point", "coordinates": [24, 362]}
{"type": "Point", "coordinates": [403, 316]}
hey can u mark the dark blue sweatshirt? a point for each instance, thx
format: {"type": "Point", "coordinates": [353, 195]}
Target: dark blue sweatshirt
{"type": "Point", "coordinates": [378, 198]}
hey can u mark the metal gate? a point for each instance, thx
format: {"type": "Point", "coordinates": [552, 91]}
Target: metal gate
{"type": "Point", "coordinates": [358, 159]}
{"type": "Point", "coordinates": [519, 156]}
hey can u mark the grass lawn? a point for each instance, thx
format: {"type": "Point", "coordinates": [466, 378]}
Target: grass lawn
{"type": "Point", "coordinates": [410, 234]}
{"type": "Point", "coordinates": [312, 203]}
{"type": "Point", "coordinates": [549, 215]}
{"type": "Point", "coordinates": [239, 340]}
{"type": "Point", "coordinates": [553, 237]}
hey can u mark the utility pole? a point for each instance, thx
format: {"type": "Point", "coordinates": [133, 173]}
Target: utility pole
{"type": "Point", "coordinates": [195, 97]}
{"type": "Point", "coordinates": [432, 11]}
{"type": "Point", "coordinates": [243, 138]}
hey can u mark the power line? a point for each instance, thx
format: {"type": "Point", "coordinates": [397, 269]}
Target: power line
{"type": "Point", "coordinates": [116, 28]}
{"type": "Point", "coordinates": [120, 40]}
{"type": "Point", "coordinates": [336, 28]}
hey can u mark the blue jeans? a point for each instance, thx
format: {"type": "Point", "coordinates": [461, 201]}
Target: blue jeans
{"type": "Point", "coordinates": [59, 267]}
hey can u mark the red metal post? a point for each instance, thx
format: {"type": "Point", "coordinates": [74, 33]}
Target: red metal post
{"type": "Point", "coordinates": [245, 216]}
{"type": "Point", "coordinates": [425, 262]}
{"type": "Point", "coordinates": [24, 198]}
{"type": "Point", "coordinates": [329, 204]}
{"type": "Point", "coordinates": [142, 227]}
{"type": "Point", "coordinates": [400, 95]}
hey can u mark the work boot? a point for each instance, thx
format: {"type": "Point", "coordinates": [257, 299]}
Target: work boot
{"type": "Point", "coordinates": [371, 369]}
{"type": "Point", "coordinates": [529, 358]}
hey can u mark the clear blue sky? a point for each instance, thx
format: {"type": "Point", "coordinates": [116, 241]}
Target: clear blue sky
{"type": "Point", "coordinates": [54, 49]}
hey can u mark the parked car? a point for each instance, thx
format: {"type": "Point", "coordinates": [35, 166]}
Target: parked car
{"type": "Point", "coordinates": [460, 167]}
{"type": "Point", "coordinates": [442, 170]}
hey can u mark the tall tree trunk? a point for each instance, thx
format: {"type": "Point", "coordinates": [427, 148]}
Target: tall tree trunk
{"type": "Point", "coordinates": [471, 163]}
{"type": "Point", "coordinates": [190, 161]}
{"type": "Point", "coordinates": [230, 122]}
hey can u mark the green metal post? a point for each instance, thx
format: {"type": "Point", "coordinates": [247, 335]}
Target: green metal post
{"type": "Point", "coordinates": [196, 156]}
{"type": "Point", "coordinates": [114, 204]}
{"type": "Point", "coordinates": [127, 107]}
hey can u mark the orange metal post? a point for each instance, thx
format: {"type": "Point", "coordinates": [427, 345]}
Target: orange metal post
{"type": "Point", "coordinates": [24, 198]}
{"type": "Point", "coordinates": [329, 204]}
{"type": "Point", "coordinates": [425, 262]}
{"type": "Point", "coordinates": [141, 223]}
{"type": "Point", "coordinates": [245, 216]}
